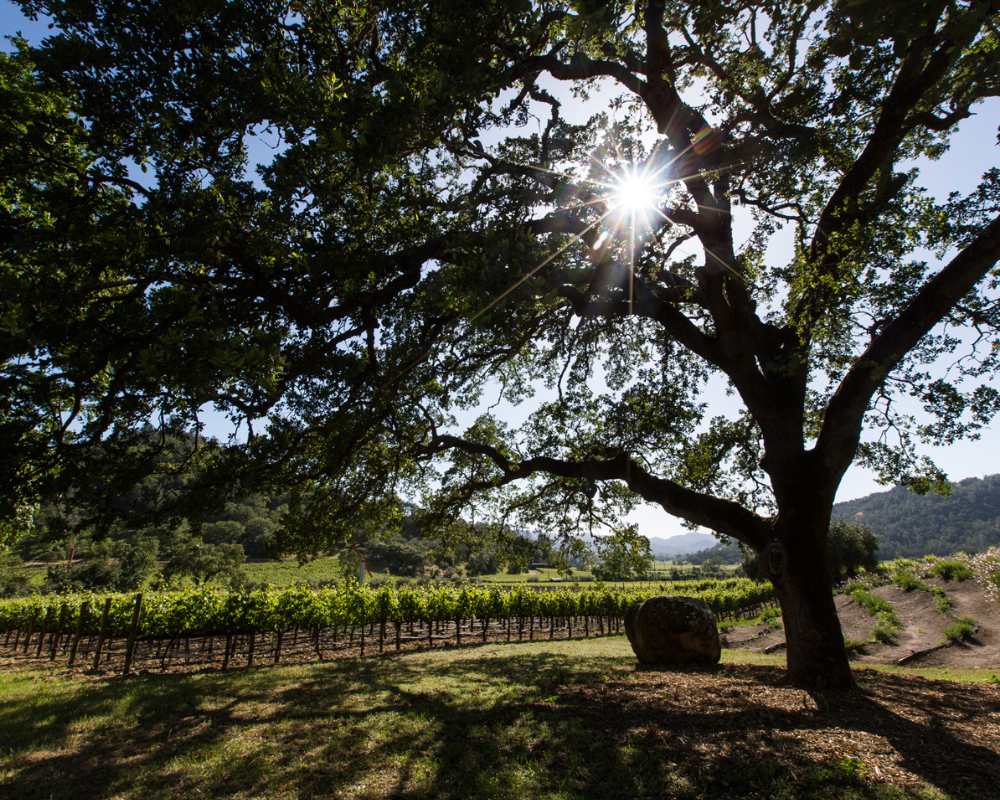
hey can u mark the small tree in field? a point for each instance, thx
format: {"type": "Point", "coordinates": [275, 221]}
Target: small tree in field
{"type": "Point", "coordinates": [622, 555]}
{"type": "Point", "coordinates": [431, 228]}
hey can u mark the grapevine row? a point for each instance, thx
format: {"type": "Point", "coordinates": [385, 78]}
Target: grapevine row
{"type": "Point", "coordinates": [346, 611]}
{"type": "Point", "coordinates": [205, 611]}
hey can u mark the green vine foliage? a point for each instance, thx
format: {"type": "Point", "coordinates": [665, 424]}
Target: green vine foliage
{"type": "Point", "coordinates": [209, 611]}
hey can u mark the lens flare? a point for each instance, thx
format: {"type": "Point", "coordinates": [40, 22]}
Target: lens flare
{"type": "Point", "coordinates": [635, 194]}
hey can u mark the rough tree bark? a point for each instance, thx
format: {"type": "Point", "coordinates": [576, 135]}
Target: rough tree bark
{"type": "Point", "coordinates": [796, 563]}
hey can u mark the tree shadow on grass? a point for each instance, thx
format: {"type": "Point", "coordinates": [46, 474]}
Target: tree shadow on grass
{"type": "Point", "coordinates": [515, 725]}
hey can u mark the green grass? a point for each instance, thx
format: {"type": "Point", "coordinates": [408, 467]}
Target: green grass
{"type": "Point", "coordinates": [559, 720]}
{"type": "Point", "coordinates": [290, 572]}
{"type": "Point", "coordinates": [662, 571]}
{"type": "Point", "coordinates": [34, 572]}
{"type": "Point", "coordinates": [887, 624]}
{"type": "Point", "coordinates": [769, 615]}
{"type": "Point", "coordinates": [542, 575]}
{"type": "Point", "coordinates": [951, 569]}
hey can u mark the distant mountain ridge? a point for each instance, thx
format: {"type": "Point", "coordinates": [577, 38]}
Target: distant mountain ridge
{"type": "Point", "coordinates": [911, 525]}
{"type": "Point", "coordinates": [680, 545]}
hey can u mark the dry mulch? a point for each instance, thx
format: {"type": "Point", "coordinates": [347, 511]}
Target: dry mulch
{"type": "Point", "coordinates": [905, 731]}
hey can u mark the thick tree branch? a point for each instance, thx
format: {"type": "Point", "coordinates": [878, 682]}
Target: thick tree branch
{"type": "Point", "coordinates": [842, 425]}
{"type": "Point", "coordinates": [99, 178]}
{"type": "Point", "coordinates": [580, 68]}
{"type": "Point", "coordinates": [723, 516]}
{"type": "Point", "coordinates": [928, 60]}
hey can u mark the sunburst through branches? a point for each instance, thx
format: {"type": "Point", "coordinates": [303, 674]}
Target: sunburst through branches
{"type": "Point", "coordinates": [632, 198]}
{"type": "Point", "coordinates": [636, 193]}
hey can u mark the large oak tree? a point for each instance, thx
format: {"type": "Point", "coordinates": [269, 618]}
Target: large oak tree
{"type": "Point", "coordinates": [347, 225]}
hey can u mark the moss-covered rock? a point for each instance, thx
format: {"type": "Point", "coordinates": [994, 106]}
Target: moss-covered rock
{"type": "Point", "coordinates": [673, 631]}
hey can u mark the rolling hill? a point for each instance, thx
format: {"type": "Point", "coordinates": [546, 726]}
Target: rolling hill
{"type": "Point", "coordinates": [908, 525]}
{"type": "Point", "coordinates": [911, 525]}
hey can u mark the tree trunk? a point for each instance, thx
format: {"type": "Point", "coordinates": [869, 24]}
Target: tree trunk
{"type": "Point", "coordinates": [816, 656]}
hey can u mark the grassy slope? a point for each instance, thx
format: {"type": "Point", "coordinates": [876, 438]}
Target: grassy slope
{"type": "Point", "coordinates": [286, 573]}
{"type": "Point", "coordinates": [542, 720]}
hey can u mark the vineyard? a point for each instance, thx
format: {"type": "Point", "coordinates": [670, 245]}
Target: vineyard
{"type": "Point", "coordinates": [210, 627]}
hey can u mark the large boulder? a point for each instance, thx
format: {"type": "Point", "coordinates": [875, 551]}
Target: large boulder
{"type": "Point", "coordinates": [672, 632]}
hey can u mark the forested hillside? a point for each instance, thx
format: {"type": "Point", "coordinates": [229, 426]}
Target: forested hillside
{"type": "Point", "coordinates": [908, 524]}
{"type": "Point", "coordinates": [911, 525]}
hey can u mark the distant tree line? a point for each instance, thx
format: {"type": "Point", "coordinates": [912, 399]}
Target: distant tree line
{"type": "Point", "coordinates": [166, 527]}
{"type": "Point", "coordinates": [850, 548]}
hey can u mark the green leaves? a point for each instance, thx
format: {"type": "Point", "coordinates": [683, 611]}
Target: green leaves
{"type": "Point", "coordinates": [351, 228]}
{"type": "Point", "coordinates": [209, 611]}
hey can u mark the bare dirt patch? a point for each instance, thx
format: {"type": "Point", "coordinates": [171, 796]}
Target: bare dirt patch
{"type": "Point", "coordinates": [968, 600]}
{"type": "Point", "coordinates": [923, 628]}
{"type": "Point", "coordinates": [923, 625]}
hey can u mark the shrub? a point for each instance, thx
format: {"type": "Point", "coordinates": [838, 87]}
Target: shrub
{"type": "Point", "coordinates": [191, 556]}
{"type": "Point", "coordinates": [951, 569]}
{"type": "Point", "coordinates": [13, 581]}
{"type": "Point", "coordinates": [136, 562]}
{"type": "Point", "coordinates": [907, 581]}
{"type": "Point", "coordinates": [961, 630]}
{"type": "Point", "coordinates": [850, 550]}
{"type": "Point", "coordinates": [941, 600]}
{"type": "Point", "coordinates": [868, 601]}
{"type": "Point", "coordinates": [866, 580]}
{"type": "Point", "coordinates": [770, 615]}
{"type": "Point", "coordinates": [97, 573]}
{"type": "Point", "coordinates": [887, 624]}
{"type": "Point", "coordinates": [986, 569]}
{"type": "Point", "coordinates": [886, 628]}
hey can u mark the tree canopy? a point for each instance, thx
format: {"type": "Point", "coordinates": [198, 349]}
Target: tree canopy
{"type": "Point", "coordinates": [351, 227]}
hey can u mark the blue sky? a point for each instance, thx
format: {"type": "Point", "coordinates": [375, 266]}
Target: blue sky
{"type": "Point", "coordinates": [973, 150]}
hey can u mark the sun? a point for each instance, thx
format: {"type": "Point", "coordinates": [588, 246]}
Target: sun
{"type": "Point", "coordinates": [635, 194]}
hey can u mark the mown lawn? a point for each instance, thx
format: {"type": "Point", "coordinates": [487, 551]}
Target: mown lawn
{"type": "Point", "coordinates": [572, 719]}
